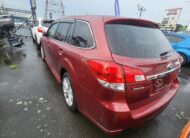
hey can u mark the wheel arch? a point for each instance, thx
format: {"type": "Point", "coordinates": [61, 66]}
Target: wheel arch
{"type": "Point", "coordinates": [62, 71]}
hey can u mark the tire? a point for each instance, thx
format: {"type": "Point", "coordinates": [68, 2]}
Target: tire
{"type": "Point", "coordinates": [33, 39]}
{"type": "Point", "coordinates": [32, 36]}
{"type": "Point", "coordinates": [38, 47]}
{"type": "Point", "coordinates": [68, 92]}
{"type": "Point", "coordinates": [183, 59]}
{"type": "Point", "coordinates": [42, 53]}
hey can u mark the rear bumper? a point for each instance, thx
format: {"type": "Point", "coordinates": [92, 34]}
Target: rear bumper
{"type": "Point", "coordinates": [117, 117]}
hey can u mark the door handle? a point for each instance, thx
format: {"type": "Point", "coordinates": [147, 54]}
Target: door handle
{"type": "Point", "coordinates": [60, 52]}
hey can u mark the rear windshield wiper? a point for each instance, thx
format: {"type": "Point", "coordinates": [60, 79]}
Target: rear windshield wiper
{"type": "Point", "coordinates": [165, 53]}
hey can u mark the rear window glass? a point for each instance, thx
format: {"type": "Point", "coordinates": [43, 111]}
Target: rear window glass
{"type": "Point", "coordinates": [134, 41]}
{"type": "Point", "coordinates": [47, 23]}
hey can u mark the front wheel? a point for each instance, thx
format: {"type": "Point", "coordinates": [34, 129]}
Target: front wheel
{"type": "Point", "coordinates": [68, 92]}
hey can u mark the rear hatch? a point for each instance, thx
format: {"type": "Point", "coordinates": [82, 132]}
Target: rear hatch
{"type": "Point", "coordinates": [149, 62]}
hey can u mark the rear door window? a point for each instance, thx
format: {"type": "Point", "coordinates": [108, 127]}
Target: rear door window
{"type": "Point", "coordinates": [62, 31]}
{"type": "Point", "coordinates": [82, 36]}
{"type": "Point", "coordinates": [134, 41]}
{"type": "Point", "coordinates": [69, 38]}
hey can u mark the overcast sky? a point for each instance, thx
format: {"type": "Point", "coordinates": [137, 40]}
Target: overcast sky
{"type": "Point", "coordinates": [155, 9]}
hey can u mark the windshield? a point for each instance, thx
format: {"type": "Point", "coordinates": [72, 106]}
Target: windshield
{"type": "Point", "coordinates": [47, 23]}
{"type": "Point", "coordinates": [134, 41]}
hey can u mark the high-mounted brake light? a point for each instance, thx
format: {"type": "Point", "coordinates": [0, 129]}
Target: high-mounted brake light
{"type": "Point", "coordinates": [109, 74]}
{"type": "Point", "coordinates": [40, 30]}
{"type": "Point", "coordinates": [134, 75]}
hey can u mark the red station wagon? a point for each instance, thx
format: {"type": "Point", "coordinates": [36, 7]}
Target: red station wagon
{"type": "Point", "coordinates": [118, 72]}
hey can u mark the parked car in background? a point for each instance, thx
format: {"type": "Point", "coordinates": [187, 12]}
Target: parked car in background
{"type": "Point", "coordinates": [118, 72]}
{"type": "Point", "coordinates": [39, 26]}
{"type": "Point", "coordinates": [181, 43]}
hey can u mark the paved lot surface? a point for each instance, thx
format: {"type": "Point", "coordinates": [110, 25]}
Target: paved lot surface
{"type": "Point", "coordinates": [32, 105]}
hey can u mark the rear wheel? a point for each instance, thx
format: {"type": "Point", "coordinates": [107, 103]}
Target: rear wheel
{"type": "Point", "coordinates": [183, 59]}
{"type": "Point", "coordinates": [68, 92]}
{"type": "Point", "coordinates": [33, 39]}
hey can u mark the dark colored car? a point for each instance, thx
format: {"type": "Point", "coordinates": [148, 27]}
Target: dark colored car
{"type": "Point", "coordinates": [181, 43]}
{"type": "Point", "coordinates": [118, 72]}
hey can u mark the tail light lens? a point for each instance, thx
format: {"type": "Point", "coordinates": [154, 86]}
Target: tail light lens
{"type": "Point", "coordinates": [133, 75]}
{"type": "Point", "coordinates": [109, 74]}
{"type": "Point", "coordinates": [40, 30]}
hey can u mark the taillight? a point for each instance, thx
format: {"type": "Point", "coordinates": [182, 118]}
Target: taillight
{"type": "Point", "coordinates": [40, 30]}
{"type": "Point", "coordinates": [109, 74]}
{"type": "Point", "coordinates": [133, 75]}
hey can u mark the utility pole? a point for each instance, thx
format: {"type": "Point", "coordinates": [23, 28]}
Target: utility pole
{"type": "Point", "coordinates": [62, 8]}
{"type": "Point", "coordinates": [140, 9]}
{"type": "Point", "coordinates": [46, 10]}
{"type": "Point", "coordinates": [117, 8]}
{"type": "Point", "coordinates": [33, 9]}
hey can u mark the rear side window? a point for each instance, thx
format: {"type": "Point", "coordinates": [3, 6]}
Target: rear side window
{"type": "Point", "coordinates": [82, 36]}
{"type": "Point", "coordinates": [134, 41]}
{"type": "Point", "coordinates": [174, 39]}
{"type": "Point", "coordinates": [46, 23]}
{"type": "Point", "coordinates": [62, 31]}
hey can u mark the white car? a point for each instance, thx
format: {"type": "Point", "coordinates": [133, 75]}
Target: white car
{"type": "Point", "coordinates": [39, 26]}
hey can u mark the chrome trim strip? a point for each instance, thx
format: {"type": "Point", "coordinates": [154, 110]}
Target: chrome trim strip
{"type": "Point", "coordinates": [152, 77]}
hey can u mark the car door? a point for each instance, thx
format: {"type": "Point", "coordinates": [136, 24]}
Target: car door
{"type": "Point", "coordinates": [79, 45]}
{"type": "Point", "coordinates": [57, 47]}
{"type": "Point", "coordinates": [49, 42]}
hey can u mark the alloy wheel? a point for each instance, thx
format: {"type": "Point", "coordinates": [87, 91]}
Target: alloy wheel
{"type": "Point", "coordinates": [42, 53]}
{"type": "Point", "coordinates": [68, 92]}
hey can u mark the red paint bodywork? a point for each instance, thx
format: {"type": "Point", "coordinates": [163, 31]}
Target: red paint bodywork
{"type": "Point", "coordinates": [110, 110]}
